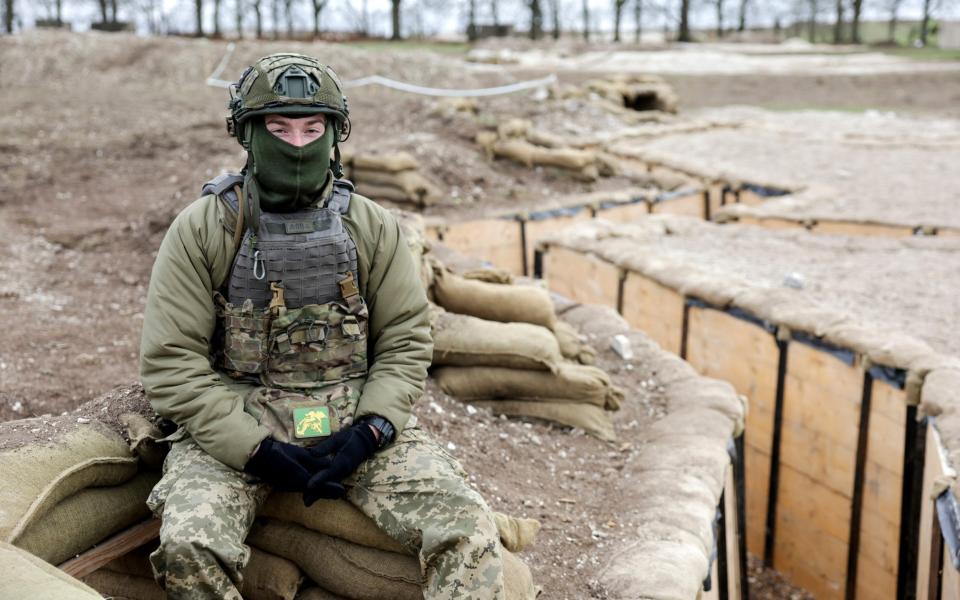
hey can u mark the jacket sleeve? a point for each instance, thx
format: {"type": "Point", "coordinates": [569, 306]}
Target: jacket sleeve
{"type": "Point", "coordinates": [400, 340]}
{"type": "Point", "coordinates": [179, 321]}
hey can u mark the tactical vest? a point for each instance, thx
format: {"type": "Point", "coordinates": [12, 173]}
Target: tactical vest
{"type": "Point", "coordinates": [290, 313]}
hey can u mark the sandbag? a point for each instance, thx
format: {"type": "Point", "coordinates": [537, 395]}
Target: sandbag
{"type": "Point", "coordinates": [489, 274]}
{"type": "Point", "coordinates": [379, 193]}
{"type": "Point", "coordinates": [461, 340]}
{"type": "Point", "coordinates": [336, 518]}
{"type": "Point", "coordinates": [363, 573]}
{"type": "Point", "coordinates": [592, 419]}
{"type": "Point", "coordinates": [87, 518]}
{"type": "Point", "coordinates": [567, 383]}
{"type": "Point", "coordinates": [516, 534]}
{"type": "Point", "coordinates": [414, 184]}
{"type": "Point", "coordinates": [27, 577]}
{"type": "Point", "coordinates": [395, 161]}
{"type": "Point", "coordinates": [143, 437]}
{"type": "Point", "coordinates": [492, 301]}
{"type": "Point", "coordinates": [125, 586]}
{"type": "Point", "coordinates": [266, 576]}
{"type": "Point", "coordinates": [317, 593]}
{"type": "Point", "coordinates": [38, 475]}
{"type": "Point", "coordinates": [353, 571]}
{"type": "Point", "coordinates": [571, 346]}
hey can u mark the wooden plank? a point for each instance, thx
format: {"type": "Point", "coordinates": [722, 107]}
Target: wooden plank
{"type": "Point", "coordinates": [113, 547]}
{"type": "Point", "coordinates": [624, 213]}
{"type": "Point", "coordinates": [714, 195]}
{"type": "Point", "coordinates": [495, 240]}
{"type": "Point", "coordinates": [750, 197]}
{"type": "Point", "coordinates": [654, 309]}
{"type": "Point", "coordinates": [734, 585]}
{"type": "Point", "coordinates": [758, 484]}
{"type": "Point", "coordinates": [810, 560]}
{"type": "Point", "coordinates": [822, 509]}
{"type": "Point", "coordinates": [863, 229]}
{"type": "Point", "coordinates": [582, 277]}
{"type": "Point", "coordinates": [934, 467]}
{"type": "Point", "coordinates": [729, 197]}
{"type": "Point", "coordinates": [874, 582]}
{"type": "Point", "coordinates": [432, 232]}
{"type": "Point", "coordinates": [880, 541]}
{"type": "Point", "coordinates": [537, 230]}
{"type": "Point", "coordinates": [950, 585]}
{"type": "Point", "coordinates": [691, 205]}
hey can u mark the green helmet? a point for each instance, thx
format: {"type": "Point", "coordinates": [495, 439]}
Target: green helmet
{"type": "Point", "coordinates": [287, 84]}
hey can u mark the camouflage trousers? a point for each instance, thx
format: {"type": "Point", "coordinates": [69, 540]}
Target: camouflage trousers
{"type": "Point", "coordinates": [412, 489]}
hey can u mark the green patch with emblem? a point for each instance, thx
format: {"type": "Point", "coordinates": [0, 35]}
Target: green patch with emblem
{"type": "Point", "coordinates": [311, 421]}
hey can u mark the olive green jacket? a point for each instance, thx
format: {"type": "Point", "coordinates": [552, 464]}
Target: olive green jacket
{"type": "Point", "coordinates": [195, 259]}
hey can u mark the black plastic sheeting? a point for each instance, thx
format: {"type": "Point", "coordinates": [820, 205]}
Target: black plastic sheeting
{"type": "Point", "coordinates": [948, 514]}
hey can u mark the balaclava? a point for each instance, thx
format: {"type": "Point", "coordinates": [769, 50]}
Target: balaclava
{"type": "Point", "coordinates": [289, 178]}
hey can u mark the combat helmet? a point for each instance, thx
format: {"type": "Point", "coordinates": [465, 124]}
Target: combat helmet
{"type": "Point", "coordinates": [287, 84]}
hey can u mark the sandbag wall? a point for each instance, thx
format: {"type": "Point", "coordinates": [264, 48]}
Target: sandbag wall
{"type": "Point", "coordinates": [508, 241]}
{"type": "Point", "coordinates": [839, 467]}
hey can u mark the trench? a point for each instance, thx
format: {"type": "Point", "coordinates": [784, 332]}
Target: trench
{"type": "Point", "coordinates": [835, 480]}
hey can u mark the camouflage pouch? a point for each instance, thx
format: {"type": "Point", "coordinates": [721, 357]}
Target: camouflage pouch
{"type": "Point", "coordinates": [303, 419]}
{"type": "Point", "coordinates": [316, 345]}
{"type": "Point", "coordinates": [245, 332]}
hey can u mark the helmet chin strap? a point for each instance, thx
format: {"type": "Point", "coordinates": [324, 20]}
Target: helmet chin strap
{"type": "Point", "coordinates": [251, 208]}
{"type": "Point", "coordinates": [337, 165]}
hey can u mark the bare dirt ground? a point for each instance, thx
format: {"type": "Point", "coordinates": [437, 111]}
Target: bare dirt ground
{"type": "Point", "coordinates": [106, 138]}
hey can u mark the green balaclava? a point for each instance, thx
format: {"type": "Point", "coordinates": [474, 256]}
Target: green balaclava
{"type": "Point", "coordinates": [289, 178]}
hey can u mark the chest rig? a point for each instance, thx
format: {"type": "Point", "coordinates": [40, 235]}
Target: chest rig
{"type": "Point", "coordinates": [290, 313]}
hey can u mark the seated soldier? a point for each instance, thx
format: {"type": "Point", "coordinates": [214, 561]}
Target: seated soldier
{"type": "Point", "coordinates": [286, 334]}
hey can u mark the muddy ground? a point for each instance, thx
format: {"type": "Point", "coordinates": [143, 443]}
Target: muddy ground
{"type": "Point", "coordinates": [106, 138]}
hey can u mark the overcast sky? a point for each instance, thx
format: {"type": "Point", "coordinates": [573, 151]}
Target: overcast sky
{"type": "Point", "coordinates": [449, 18]}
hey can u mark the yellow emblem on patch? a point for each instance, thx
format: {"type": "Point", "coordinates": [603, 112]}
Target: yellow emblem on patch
{"type": "Point", "coordinates": [313, 421]}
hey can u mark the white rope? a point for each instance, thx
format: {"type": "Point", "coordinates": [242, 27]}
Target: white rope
{"type": "Point", "coordinates": [214, 81]}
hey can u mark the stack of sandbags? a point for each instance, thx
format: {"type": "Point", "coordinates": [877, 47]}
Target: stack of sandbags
{"type": "Point", "coordinates": [518, 141]}
{"type": "Point", "coordinates": [393, 177]}
{"type": "Point", "coordinates": [636, 92]}
{"type": "Point", "coordinates": [344, 553]}
{"type": "Point", "coordinates": [501, 346]}
{"type": "Point", "coordinates": [23, 576]}
{"type": "Point", "coordinates": [68, 483]}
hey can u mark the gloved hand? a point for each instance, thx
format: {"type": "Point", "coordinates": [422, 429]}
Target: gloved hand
{"type": "Point", "coordinates": [346, 450]}
{"type": "Point", "coordinates": [285, 466]}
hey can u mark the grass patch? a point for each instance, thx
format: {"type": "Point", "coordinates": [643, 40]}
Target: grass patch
{"type": "Point", "coordinates": [411, 46]}
{"type": "Point", "coordinates": [928, 53]}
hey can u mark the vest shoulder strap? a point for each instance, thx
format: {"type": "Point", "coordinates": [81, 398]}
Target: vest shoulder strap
{"type": "Point", "coordinates": [224, 188]}
{"type": "Point", "coordinates": [340, 199]}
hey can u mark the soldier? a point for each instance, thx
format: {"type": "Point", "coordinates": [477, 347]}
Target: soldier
{"type": "Point", "coordinates": [286, 334]}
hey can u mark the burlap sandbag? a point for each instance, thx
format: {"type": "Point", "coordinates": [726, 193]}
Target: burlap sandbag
{"type": "Point", "coordinates": [592, 419]}
{"type": "Point", "coordinates": [363, 573]}
{"type": "Point", "coordinates": [87, 518]}
{"type": "Point", "coordinates": [26, 577]}
{"type": "Point", "coordinates": [347, 569]}
{"type": "Point", "coordinates": [124, 586]}
{"type": "Point", "coordinates": [461, 340]}
{"type": "Point", "coordinates": [383, 192]}
{"type": "Point", "coordinates": [413, 183]}
{"type": "Point", "coordinates": [395, 161]}
{"type": "Point", "coordinates": [317, 593]}
{"type": "Point", "coordinates": [143, 440]}
{"type": "Point", "coordinates": [572, 346]}
{"type": "Point", "coordinates": [516, 534]}
{"type": "Point", "coordinates": [266, 576]}
{"type": "Point", "coordinates": [489, 274]}
{"type": "Point", "coordinates": [492, 301]}
{"type": "Point", "coordinates": [36, 476]}
{"type": "Point", "coordinates": [336, 518]}
{"type": "Point", "coordinates": [567, 383]}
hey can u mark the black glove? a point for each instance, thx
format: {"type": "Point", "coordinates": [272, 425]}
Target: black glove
{"type": "Point", "coordinates": [345, 450]}
{"type": "Point", "coordinates": [284, 466]}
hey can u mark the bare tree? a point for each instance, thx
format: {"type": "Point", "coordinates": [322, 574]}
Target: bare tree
{"type": "Point", "coordinates": [198, 5]}
{"type": "Point", "coordinates": [472, 20]}
{"type": "Point", "coordinates": [257, 6]}
{"type": "Point", "coordinates": [617, 16]}
{"type": "Point", "coordinates": [838, 25]}
{"type": "Point", "coordinates": [742, 25]}
{"type": "Point", "coordinates": [683, 33]}
{"type": "Point", "coordinates": [812, 24]}
{"type": "Point", "coordinates": [495, 13]}
{"type": "Point", "coordinates": [8, 15]}
{"type": "Point", "coordinates": [238, 16]}
{"type": "Point", "coordinates": [275, 17]}
{"type": "Point", "coordinates": [928, 8]}
{"type": "Point", "coordinates": [396, 33]}
{"type": "Point", "coordinates": [113, 11]}
{"type": "Point", "coordinates": [318, 6]}
{"type": "Point", "coordinates": [719, 5]}
{"type": "Point", "coordinates": [536, 19]}
{"type": "Point", "coordinates": [637, 20]}
{"type": "Point", "coordinates": [101, 3]}
{"type": "Point", "coordinates": [892, 24]}
{"type": "Point", "coordinates": [288, 13]}
{"type": "Point", "coordinates": [855, 22]}
{"type": "Point", "coordinates": [555, 17]}
{"type": "Point", "coordinates": [586, 20]}
{"type": "Point", "coordinates": [216, 17]}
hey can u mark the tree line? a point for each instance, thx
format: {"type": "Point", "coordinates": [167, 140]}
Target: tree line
{"type": "Point", "coordinates": [542, 17]}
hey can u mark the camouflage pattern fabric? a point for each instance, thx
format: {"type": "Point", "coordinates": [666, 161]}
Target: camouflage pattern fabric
{"type": "Point", "coordinates": [412, 489]}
